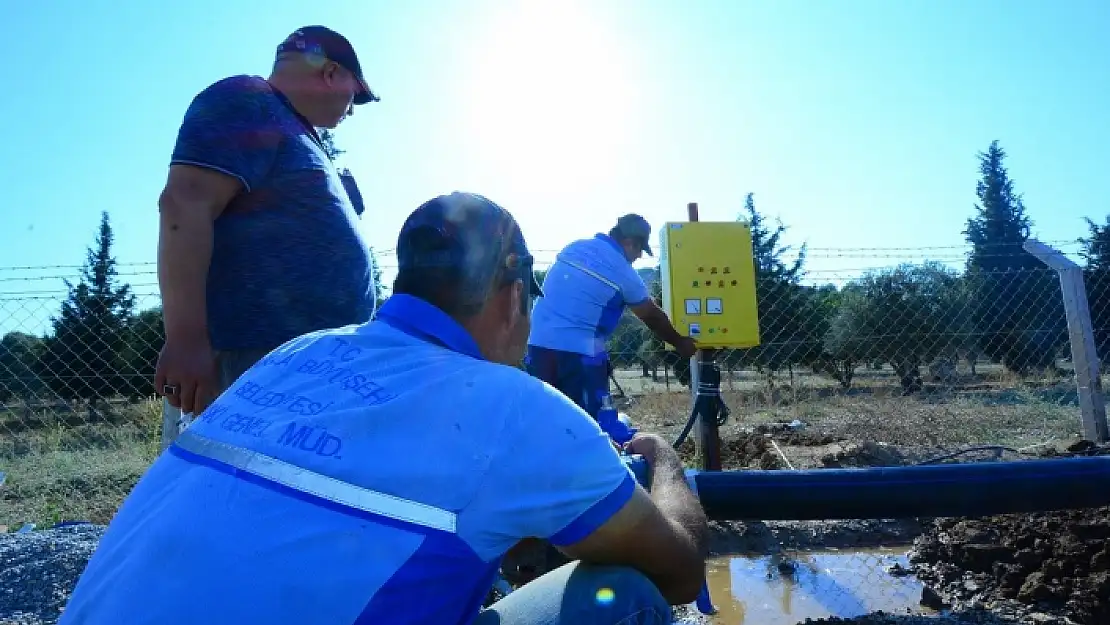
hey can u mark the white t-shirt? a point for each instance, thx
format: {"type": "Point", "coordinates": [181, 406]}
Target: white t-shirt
{"type": "Point", "coordinates": [585, 294]}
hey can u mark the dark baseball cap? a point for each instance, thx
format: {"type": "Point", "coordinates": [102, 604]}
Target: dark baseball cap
{"type": "Point", "coordinates": [468, 232]}
{"type": "Point", "coordinates": [331, 45]}
{"type": "Point", "coordinates": [633, 226]}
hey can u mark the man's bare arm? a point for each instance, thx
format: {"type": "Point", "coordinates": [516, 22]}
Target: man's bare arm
{"type": "Point", "coordinates": [192, 199]}
{"type": "Point", "coordinates": [656, 320]}
{"type": "Point", "coordinates": [672, 495]}
{"type": "Point", "coordinates": [664, 535]}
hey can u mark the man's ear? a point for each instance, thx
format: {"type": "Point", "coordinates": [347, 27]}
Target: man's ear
{"type": "Point", "coordinates": [330, 72]}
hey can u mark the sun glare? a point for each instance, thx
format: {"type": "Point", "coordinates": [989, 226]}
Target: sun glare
{"type": "Point", "coordinates": [550, 95]}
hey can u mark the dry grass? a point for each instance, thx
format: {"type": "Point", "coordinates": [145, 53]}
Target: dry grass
{"type": "Point", "coordinates": [1010, 412]}
{"type": "Point", "coordinates": [68, 468]}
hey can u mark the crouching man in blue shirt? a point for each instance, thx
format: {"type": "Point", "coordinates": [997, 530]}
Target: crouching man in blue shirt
{"type": "Point", "coordinates": [378, 473]}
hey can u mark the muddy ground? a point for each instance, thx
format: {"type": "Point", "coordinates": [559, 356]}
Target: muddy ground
{"type": "Point", "coordinates": [685, 616]}
{"type": "Point", "coordinates": [1020, 577]}
{"type": "Point", "coordinates": [879, 618]}
{"type": "Point", "coordinates": [1053, 563]}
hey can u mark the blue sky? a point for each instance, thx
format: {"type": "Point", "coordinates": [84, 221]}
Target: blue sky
{"type": "Point", "coordinates": [855, 121]}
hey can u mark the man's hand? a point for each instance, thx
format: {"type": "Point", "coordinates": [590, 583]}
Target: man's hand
{"type": "Point", "coordinates": [663, 534]}
{"type": "Point", "coordinates": [656, 320]}
{"type": "Point", "coordinates": [188, 371]}
{"type": "Point", "coordinates": [650, 446]}
{"type": "Point", "coordinates": [686, 347]}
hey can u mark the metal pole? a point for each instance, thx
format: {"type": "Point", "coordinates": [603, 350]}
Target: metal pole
{"type": "Point", "coordinates": [1084, 358]}
{"type": "Point", "coordinates": [707, 434]}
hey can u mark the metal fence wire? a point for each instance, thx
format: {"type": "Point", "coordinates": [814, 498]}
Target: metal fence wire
{"type": "Point", "coordinates": [883, 364]}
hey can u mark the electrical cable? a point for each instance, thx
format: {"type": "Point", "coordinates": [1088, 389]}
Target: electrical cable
{"type": "Point", "coordinates": [708, 400]}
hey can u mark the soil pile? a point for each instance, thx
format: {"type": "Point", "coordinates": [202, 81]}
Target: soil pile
{"type": "Point", "coordinates": [754, 449]}
{"type": "Point", "coordinates": [862, 455]}
{"type": "Point", "coordinates": [746, 451]}
{"type": "Point", "coordinates": [1055, 563]}
{"type": "Point", "coordinates": [793, 435]}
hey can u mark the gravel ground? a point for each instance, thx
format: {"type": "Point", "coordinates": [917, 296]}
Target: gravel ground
{"type": "Point", "coordinates": [40, 569]}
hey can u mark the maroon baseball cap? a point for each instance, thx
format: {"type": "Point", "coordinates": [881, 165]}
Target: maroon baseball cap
{"type": "Point", "coordinates": [330, 45]}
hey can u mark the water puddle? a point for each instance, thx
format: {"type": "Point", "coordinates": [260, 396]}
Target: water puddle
{"type": "Point", "coordinates": [788, 589]}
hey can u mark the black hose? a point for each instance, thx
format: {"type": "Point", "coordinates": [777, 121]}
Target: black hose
{"type": "Point", "coordinates": [707, 402]}
{"type": "Point", "coordinates": [689, 425]}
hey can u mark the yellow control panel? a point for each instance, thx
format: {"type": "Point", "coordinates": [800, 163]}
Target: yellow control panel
{"type": "Point", "coordinates": [708, 274]}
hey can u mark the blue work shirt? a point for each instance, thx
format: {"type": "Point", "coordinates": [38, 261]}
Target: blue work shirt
{"type": "Point", "coordinates": [287, 256]}
{"type": "Point", "coordinates": [402, 466]}
{"type": "Point", "coordinates": [585, 294]}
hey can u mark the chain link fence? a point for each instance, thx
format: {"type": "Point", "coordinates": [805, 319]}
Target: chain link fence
{"type": "Point", "coordinates": [881, 364]}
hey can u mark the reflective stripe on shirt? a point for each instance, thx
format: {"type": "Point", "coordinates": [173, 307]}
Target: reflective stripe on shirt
{"type": "Point", "coordinates": [319, 485]}
{"type": "Point", "coordinates": [592, 273]}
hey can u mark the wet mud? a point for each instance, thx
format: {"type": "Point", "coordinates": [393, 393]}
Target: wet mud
{"type": "Point", "coordinates": [1053, 564]}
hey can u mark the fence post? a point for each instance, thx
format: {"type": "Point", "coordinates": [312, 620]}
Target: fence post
{"type": "Point", "coordinates": [1081, 335]}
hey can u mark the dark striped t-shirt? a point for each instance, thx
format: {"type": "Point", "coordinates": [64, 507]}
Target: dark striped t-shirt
{"type": "Point", "coordinates": [287, 256]}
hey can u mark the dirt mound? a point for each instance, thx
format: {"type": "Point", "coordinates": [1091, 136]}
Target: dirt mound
{"type": "Point", "coordinates": [793, 435]}
{"type": "Point", "coordinates": [1056, 562]}
{"type": "Point", "coordinates": [866, 454]}
{"type": "Point", "coordinates": [754, 449]}
{"type": "Point", "coordinates": [745, 451]}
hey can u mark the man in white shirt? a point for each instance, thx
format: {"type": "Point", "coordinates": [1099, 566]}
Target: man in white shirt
{"type": "Point", "coordinates": [585, 293]}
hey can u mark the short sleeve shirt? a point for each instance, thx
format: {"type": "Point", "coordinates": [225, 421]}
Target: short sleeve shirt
{"type": "Point", "coordinates": [287, 255]}
{"type": "Point", "coordinates": [585, 294]}
{"type": "Point", "coordinates": [406, 466]}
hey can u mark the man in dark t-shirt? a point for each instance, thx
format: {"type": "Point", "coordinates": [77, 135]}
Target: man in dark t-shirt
{"type": "Point", "coordinates": [258, 240]}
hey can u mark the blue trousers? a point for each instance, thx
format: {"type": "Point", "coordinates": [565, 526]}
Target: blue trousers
{"type": "Point", "coordinates": [582, 594]}
{"type": "Point", "coordinates": [583, 379]}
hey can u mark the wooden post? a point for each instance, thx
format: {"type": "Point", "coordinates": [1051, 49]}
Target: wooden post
{"type": "Point", "coordinates": [707, 434]}
{"type": "Point", "coordinates": [1084, 359]}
